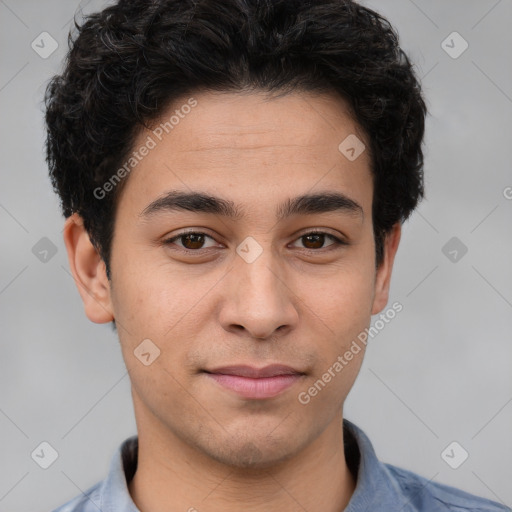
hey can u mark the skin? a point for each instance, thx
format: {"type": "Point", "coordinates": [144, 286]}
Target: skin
{"type": "Point", "coordinates": [201, 446]}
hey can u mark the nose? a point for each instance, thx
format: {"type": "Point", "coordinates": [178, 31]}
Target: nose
{"type": "Point", "coordinates": [259, 298]}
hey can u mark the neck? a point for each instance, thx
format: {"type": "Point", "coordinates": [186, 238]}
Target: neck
{"type": "Point", "coordinates": [173, 476]}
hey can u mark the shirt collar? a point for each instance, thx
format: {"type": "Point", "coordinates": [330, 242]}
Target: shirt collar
{"type": "Point", "coordinates": [115, 496]}
{"type": "Point", "coordinates": [375, 487]}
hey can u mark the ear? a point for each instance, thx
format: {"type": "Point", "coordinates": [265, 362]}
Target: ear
{"type": "Point", "coordinates": [383, 273]}
{"type": "Point", "coordinates": [88, 270]}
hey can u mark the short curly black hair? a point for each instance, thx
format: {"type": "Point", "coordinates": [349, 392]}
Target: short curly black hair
{"type": "Point", "coordinates": [127, 63]}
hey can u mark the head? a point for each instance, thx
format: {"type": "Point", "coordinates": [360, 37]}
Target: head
{"type": "Point", "coordinates": [237, 121]}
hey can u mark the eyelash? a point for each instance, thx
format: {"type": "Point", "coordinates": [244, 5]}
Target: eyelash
{"type": "Point", "coordinates": [337, 242]}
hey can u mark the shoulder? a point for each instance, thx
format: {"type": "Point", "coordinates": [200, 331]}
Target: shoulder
{"type": "Point", "coordinates": [89, 501]}
{"type": "Point", "coordinates": [112, 491]}
{"type": "Point", "coordinates": [423, 494]}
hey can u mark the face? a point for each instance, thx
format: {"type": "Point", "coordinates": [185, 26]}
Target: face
{"type": "Point", "coordinates": [252, 278]}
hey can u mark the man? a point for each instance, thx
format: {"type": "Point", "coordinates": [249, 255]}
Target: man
{"type": "Point", "coordinates": [234, 176]}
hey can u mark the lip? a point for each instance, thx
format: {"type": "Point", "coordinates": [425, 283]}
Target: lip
{"type": "Point", "coordinates": [252, 372]}
{"type": "Point", "coordinates": [256, 383]}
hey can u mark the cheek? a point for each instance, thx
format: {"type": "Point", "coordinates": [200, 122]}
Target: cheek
{"type": "Point", "coordinates": [344, 301]}
{"type": "Point", "coordinates": [150, 303]}
{"type": "Point", "coordinates": [344, 307]}
{"type": "Point", "coordinates": [153, 316]}
{"type": "Point", "coordinates": [164, 307]}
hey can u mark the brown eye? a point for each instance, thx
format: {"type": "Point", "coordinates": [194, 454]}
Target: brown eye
{"type": "Point", "coordinates": [316, 239]}
{"type": "Point", "coordinates": [189, 241]}
{"type": "Point", "coordinates": [192, 241]}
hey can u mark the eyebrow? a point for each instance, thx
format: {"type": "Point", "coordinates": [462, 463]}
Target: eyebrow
{"type": "Point", "coordinates": [197, 202]}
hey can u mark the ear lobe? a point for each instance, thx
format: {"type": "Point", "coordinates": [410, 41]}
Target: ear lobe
{"type": "Point", "coordinates": [383, 274]}
{"type": "Point", "coordinates": [88, 270]}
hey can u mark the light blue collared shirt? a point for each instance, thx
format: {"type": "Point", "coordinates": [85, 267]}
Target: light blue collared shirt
{"type": "Point", "coordinates": [379, 487]}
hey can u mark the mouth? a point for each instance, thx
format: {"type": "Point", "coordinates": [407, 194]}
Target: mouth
{"type": "Point", "coordinates": [255, 383]}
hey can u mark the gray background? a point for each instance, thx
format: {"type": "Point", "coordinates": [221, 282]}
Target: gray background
{"type": "Point", "coordinates": [439, 372]}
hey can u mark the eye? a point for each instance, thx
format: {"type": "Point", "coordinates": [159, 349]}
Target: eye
{"type": "Point", "coordinates": [191, 240]}
{"type": "Point", "coordinates": [314, 240]}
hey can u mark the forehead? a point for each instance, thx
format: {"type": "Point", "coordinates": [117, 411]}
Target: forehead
{"type": "Point", "coordinates": [249, 120]}
{"type": "Point", "coordinates": [249, 147]}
